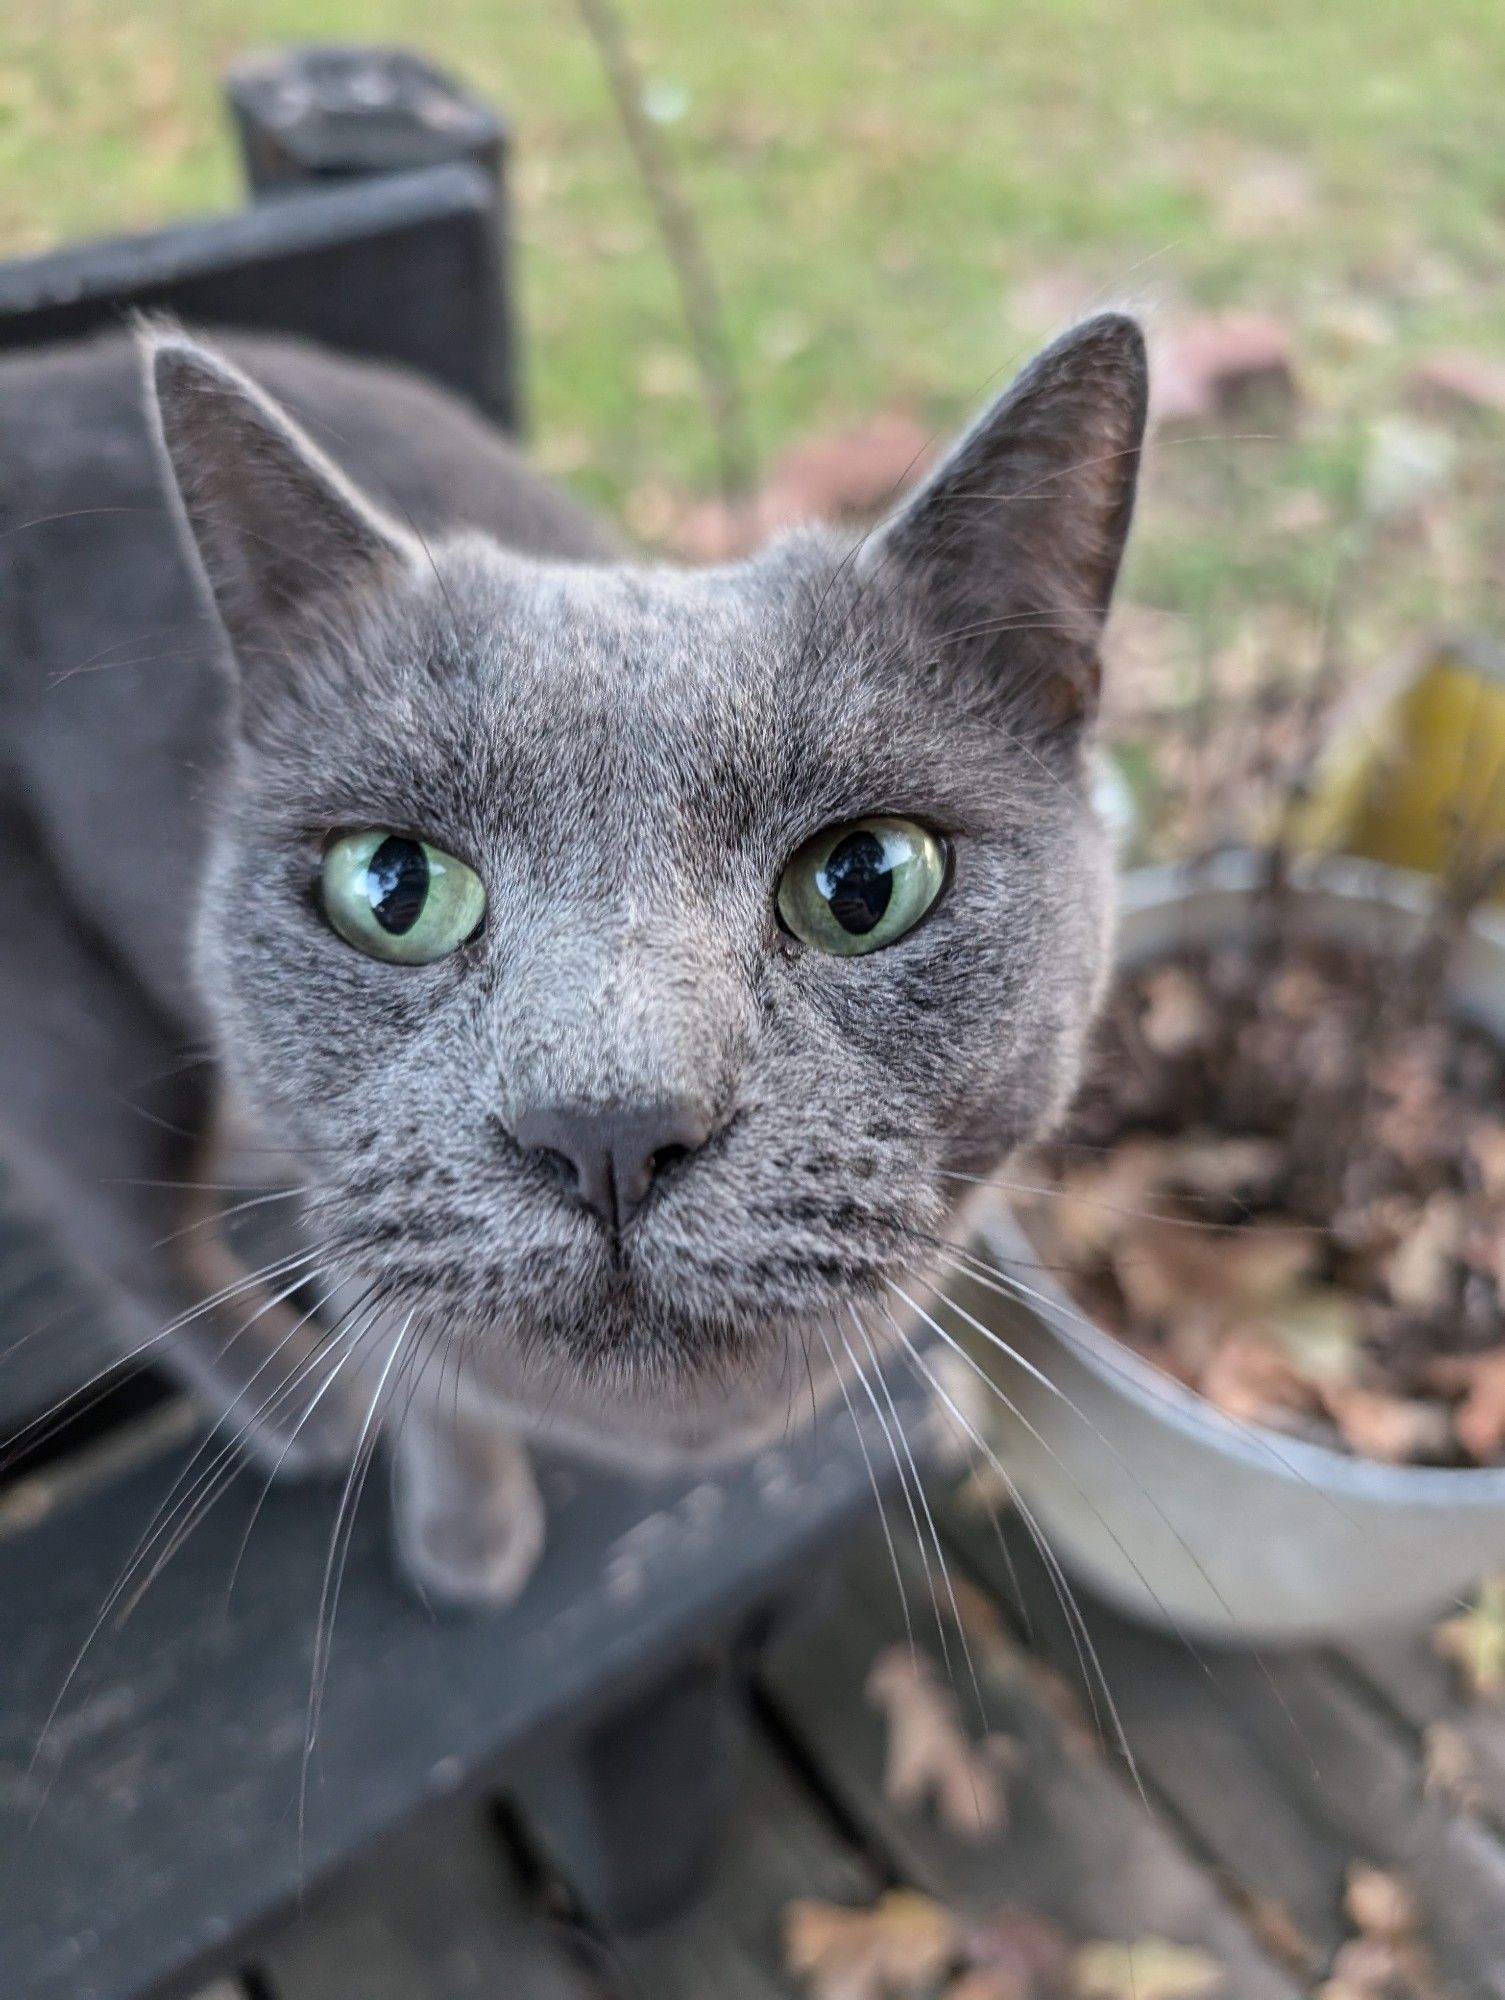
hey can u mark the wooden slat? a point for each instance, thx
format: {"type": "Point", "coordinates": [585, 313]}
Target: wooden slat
{"type": "Point", "coordinates": [1405, 1672]}
{"type": "Point", "coordinates": [53, 1337]}
{"type": "Point", "coordinates": [779, 1846]}
{"type": "Point", "coordinates": [1081, 1848]}
{"type": "Point", "coordinates": [196, 1700]}
{"type": "Point", "coordinates": [1283, 1774]}
{"type": "Point", "coordinates": [436, 1916]}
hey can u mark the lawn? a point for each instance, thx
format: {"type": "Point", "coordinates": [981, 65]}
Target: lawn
{"type": "Point", "coordinates": [899, 199]}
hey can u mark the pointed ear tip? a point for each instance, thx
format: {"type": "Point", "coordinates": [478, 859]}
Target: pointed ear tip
{"type": "Point", "coordinates": [1117, 332]}
{"type": "Point", "coordinates": [170, 359]}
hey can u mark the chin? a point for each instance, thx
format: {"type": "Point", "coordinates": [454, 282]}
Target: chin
{"type": "Point", "coordinates": [628, 1374]}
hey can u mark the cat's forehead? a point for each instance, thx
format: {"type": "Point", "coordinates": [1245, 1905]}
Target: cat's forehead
{"type": "Point", "coordinates": [625, 641]}
{"type": "Point", "coordinates": [722, 707]}
{"type": "Point", "coordinates": [629, 679]}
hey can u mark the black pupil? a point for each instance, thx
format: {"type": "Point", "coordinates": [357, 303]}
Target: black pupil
{"type": "Point", "coordinates": [857, 882]}
{"type": "Point", "coordinates": [397, 884]}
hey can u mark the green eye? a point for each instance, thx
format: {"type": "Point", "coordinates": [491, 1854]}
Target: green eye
{"type": "Point", "coordinates": [858, 887]}
{"type": "Point", "coordinates": [399, 899]}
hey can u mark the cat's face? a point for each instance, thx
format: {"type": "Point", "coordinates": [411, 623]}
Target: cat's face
{"type": "Point", "coordinates": [655, 1121]}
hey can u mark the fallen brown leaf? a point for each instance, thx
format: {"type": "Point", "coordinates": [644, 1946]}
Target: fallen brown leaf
{"type": "Point", "coordinates": [1388, 1959]}
{"type": "Point", "coordinates": [850, 475]}
{"type": "Point", "coordinates": [1367, 1969]}
{"type": "Point", "coordinates": [1149, 1969]}
{"type": "Point", "coordinates": [1218, 362]}
{"type": "Point", "coordinates": [1080, 1737]}
{"type": "Point", "coordinates": [901, 1945]}
{"type": "Point", "coordinates": [853, 473]}
{"type": "Point", "coordinates": [931, 1762]}
{"type": "Point", "coordinates": [1475, 1641]}
{"type": "Point", "coordinates": [1014, 1952]}
{"type": "Point", "coordinates": [1378, 1904]}
{"type": "Point", "coordinates": [1449, 1774]}
{"type": "Point", "coordinates": [1278, 1932]}
{"type": "Point", "coordinates": [982, 1624]}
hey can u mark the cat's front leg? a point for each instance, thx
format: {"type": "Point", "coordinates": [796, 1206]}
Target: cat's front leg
{"type": "Point", "coordinates": [469, 1519]}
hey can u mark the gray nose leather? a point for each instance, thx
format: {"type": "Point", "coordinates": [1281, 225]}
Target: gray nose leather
{"type": "Point", "coordinates": [612, 1157]}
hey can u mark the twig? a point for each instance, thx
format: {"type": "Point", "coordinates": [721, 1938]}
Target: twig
{"type": "Point", "coordinates": [699, 295]}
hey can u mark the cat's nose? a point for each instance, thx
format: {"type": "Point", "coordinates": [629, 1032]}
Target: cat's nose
{"type": "Point", "coordinates": [614, 1156]}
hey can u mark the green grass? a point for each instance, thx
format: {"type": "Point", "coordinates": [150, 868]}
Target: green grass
{"type": "Point", "coordinates": [899, 195]}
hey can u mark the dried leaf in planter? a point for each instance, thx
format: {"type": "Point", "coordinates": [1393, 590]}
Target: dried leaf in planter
{"type": "Point", "coordinates": [1177, 1018]}
{"type": "Point", "coordinates": [1317, 1328]}
{"type": "Point", "coordinates": [1479, 1419]}
{"type": "Point", "coordinates": [931, 1761]}
{"type": "Point", "coordinates": [1209, 1164]}
{"type": "Point", "coordinates": [1253, 1383]}
{"type": "Point", "coordinates": [1407, 1107]}
{"type": "Point", "coordinates": [1392, 1429]}
{"type": "Point", "coordinates": [1170, 1273]}
{"type": "Point", "coordinates": [1419, 1272]}
{"type": "Point", "coordinates": [1486, 1145]}
{"type": "Point", "coordinates": [1475, 1640]}
{"type": "Point", "coordinates": [900, 1946]}
{"type": "Point", "coordinates": [1149, 1969]}
{"type": "Point", "coordinates": [1363, 1300]}
{"type": "Point", "coordinates": [1095, 1203]}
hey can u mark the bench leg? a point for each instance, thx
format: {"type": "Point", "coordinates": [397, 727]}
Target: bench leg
{"type": "Point", "coordinates": [630, 1811]}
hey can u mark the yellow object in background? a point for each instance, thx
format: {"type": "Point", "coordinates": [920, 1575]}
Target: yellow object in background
{"type": "Point", "coordinates": [1415, 774]}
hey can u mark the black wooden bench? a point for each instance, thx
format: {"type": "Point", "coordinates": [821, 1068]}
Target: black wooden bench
{"type": "Point", "coordinates": [159, 1812]}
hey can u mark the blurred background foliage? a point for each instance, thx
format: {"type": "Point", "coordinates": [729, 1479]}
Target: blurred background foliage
{"type": "Point", "coordinates": [900, 199]}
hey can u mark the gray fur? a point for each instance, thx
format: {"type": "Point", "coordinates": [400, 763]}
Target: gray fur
{"type": "Point", "coordinates": [628, 755]}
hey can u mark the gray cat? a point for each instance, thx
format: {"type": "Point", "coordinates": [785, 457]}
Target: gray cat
{"type": "Point", "coordinates": [625, 966]}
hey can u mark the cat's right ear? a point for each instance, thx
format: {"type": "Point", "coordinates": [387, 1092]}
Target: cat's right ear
{"type": "Point", "coordinates": [1008, 554]}
{"type": "Point", "coordinates": [282, 536]}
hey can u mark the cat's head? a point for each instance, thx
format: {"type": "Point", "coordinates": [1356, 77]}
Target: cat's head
{"type": "Point", "coordinates": [643, 961]}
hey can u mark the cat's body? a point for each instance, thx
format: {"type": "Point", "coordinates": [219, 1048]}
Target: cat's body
{"type": "Point", "coordinates": [628, 1150]}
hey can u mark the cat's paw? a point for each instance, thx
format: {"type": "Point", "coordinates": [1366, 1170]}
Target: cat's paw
{"type": "Point", "coordinates": [470, 1526]}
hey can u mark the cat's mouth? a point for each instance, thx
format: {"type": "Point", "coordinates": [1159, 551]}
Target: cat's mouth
{"type": "Point", "coordinates": [745, 1261]}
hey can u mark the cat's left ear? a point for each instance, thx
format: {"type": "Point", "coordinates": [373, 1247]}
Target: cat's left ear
{"type": "Point", "coordinates": [280, 532]}
{"type": "Point", "coordinates": [1007, 556]}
